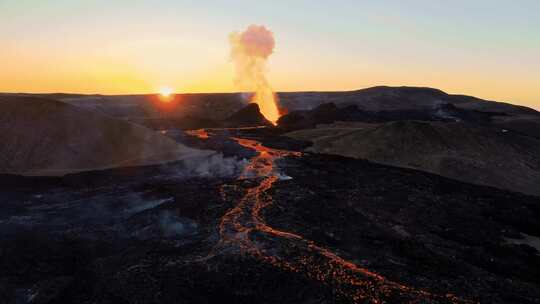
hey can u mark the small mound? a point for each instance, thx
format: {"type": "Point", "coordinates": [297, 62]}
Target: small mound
{"type": "Point", "coordinates": [47, 137]}
{"type": "Point", "coordinates": [249, 116]}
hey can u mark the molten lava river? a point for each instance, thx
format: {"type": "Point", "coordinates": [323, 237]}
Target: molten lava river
{"type": "Point", "coordinates": [243, 230]}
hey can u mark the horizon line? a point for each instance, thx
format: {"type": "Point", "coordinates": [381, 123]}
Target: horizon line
{"type": "Point", "coordinates": [537, 108]}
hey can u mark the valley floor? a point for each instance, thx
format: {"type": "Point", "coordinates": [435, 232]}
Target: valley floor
{"type": "Point", "coordinates": [289, 228]}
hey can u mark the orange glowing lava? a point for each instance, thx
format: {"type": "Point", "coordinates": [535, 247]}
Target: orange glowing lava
{"type": "Point", "coordinates": [243, 229]}
{"type": "Point", "coordinates": [266, 99]}
{"type": "Point", "coordinates": [200, 133]}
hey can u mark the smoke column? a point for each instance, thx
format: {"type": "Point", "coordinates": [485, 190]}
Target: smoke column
{"type": "Point", "coordinates": [249, 52]}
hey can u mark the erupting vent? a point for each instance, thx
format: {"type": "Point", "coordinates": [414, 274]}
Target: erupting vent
{"type": "Point", "coordinates": [250, 51]}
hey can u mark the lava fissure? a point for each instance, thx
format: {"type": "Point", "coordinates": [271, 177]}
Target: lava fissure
{"type": "Point", "coordinates": [243, 230]}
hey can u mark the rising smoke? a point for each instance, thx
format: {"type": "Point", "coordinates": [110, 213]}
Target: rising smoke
{"type": "Point", "coordinates": [249, 52]}
{"type": "Point", "coordinates": [215, 165]}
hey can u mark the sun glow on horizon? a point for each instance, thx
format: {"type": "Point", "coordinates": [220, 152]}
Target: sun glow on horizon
{"type": "Point", "coordinates": [104, 48]}
{"type": "Point", "coordinates": [165, 92]}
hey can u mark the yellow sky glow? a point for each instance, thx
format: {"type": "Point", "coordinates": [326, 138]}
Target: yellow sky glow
{"type": "Point", "coordinates": [65, 48]}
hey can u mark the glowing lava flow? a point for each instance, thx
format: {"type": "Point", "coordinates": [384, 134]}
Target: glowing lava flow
{"type": "Point", "coordinates": [199, 133]}
{"type": "Point", "coordinates": [243, 230]}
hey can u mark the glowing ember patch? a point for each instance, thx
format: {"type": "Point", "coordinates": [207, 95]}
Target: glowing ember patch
{"type": "Point", "coordinates": [243, 228]}
{"type": "Point", "coordinates": [200, 133]}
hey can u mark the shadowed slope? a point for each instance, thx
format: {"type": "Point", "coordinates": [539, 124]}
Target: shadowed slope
{"type": "Point", "coordinates": [465, 152]}
{"type": "Point", "coordinates": [249, 116]}
{"type": "Point", "coordinates": [47, 137]}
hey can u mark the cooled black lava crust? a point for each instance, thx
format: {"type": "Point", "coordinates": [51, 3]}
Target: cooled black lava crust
{"type": "Point", "coordinates": [85, 239]}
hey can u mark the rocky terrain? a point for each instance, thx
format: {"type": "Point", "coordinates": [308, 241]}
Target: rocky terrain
{"type": "Point", "coordinates": [291, 227]}
{"type": "Point", "coordinates": [272, 217]}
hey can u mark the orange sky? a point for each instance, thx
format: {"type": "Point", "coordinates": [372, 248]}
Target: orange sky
{"type": "Point", "coordinates": [60, 46]}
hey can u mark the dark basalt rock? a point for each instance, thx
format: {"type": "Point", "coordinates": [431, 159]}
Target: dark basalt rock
{"type": "Point", "coordinates": [84, 242]}
{"type": "Point", "coordinates": [416, 228]}
{"type": "Point", "coordinates": [249, 116]}
{"type": "Point", "coordinates": [329, 113]}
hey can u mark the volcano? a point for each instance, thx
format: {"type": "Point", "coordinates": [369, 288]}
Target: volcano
{"type": "Point", "coordinates": [249, 116]}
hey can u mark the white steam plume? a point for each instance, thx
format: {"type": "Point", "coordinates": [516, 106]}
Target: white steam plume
{"type": "Point", "coordinates": [249, 52]}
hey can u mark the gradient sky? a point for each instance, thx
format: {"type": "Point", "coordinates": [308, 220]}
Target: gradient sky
{"type": "Point", "coordinates": [488, 49]}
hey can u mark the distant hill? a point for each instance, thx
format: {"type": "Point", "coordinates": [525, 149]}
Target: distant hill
{"type": "Point", "coordinates": [47, 137]}
{"type": "Point", "coordinates": [383, 104]}
{"type": "Point", "coordinates": [476, 154]}
{"type": "Point", "coordinates": [462, 137]}
{"type": "Point", "coordinates": [248, 116]}
{"type": "Point", "coordinates": [204, 106]}
{"type": "Point", "coordinates": [384, 98]}
{"type": "Point", "coordinates": [389, 103]}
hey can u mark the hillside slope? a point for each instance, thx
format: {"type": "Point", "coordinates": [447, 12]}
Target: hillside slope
{"type": "Point", "coordinates": [474, 154]}
{"type": "Point", "coordinates": [386, 98]}
{"type": "Point", "coordinates": [48, 137]}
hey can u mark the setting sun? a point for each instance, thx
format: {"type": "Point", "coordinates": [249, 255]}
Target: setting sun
{"type": "Point", "coordinates": [165, 92]}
